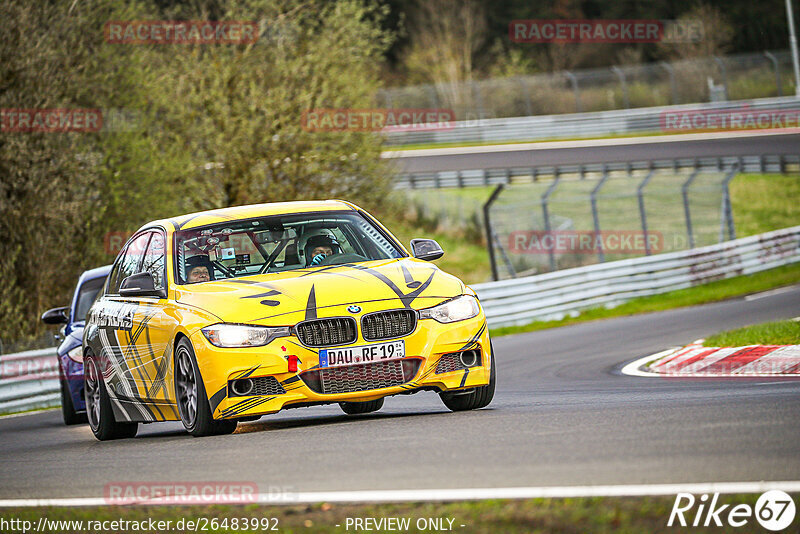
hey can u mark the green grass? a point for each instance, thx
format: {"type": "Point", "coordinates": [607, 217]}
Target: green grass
{"type": "Point", "coordinates": [764, 202]}
{"type": "Point", "coordinates": [711, 292]}
{"type": "Point", "coordinates": [596, 515]}
{"type": "Point", "coordinates": [774, 333]}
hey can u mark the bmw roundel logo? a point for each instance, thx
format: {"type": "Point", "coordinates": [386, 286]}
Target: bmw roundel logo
{"type": "Point", "coordinates": [354, 308]}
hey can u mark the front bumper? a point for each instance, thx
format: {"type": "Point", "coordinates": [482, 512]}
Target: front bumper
{"type": "Point", "coordinates": [428, 343]}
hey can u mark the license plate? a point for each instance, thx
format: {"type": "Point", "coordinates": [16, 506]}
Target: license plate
{"type": "Point", "coordinates": [379, 352]}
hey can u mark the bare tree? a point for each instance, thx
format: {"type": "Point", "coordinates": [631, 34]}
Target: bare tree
{"type": "Point", "coordinates": [445, 36]}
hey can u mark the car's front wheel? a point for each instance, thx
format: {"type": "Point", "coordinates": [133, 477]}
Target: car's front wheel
{"type": "Point", "coordinates": [98, 406]}
{"type": "Point", "coordinates": [479, 397]}
{"type": "Point", "coordinates": [356, 408]}
{"type": "Point", "coordinates": [193, 405]}
{"type": "Point", "coordinates": [68, 413]}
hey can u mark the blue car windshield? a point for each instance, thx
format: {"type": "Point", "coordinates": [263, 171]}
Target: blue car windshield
{"type": "Point", "coordinates": [87, 294]}
{"type": "Point", "coordinates": [277, 244]}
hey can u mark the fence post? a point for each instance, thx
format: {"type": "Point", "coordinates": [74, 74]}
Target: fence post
{"type": "Point", "coordinates": [601, 256]}
{"type": "Point", "coordinates": [574, 81]}
{"type": "Point", "coordinates": [621, 75]}
{"type": "Point", "coordinates": [476, 92]}
{"type": "Point", "coordinates": [722, 68]}
{"type": "Point", "coordinates": [726, 201]}
{"type": "Point", "coordinates": [489, 233]}
{"type": "Point", "coordinates": [642, 213]}
{"type": "Point", "coordinates": [434, 96]}
{"type": "Point", "coordinates": [686, 210]}
{"type": "Point", "coordinates": [672, 83]}
{"type": "Point", "coordinates": [770, 56]}
{"type": "Point", "coordinates": [527, 92]}
{"type": "Point", "coordinates": [546, 216]}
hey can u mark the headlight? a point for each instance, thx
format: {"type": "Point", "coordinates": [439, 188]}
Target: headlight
{"type": "Point", "coordinates": [241, 335]}
{"type": "Point", "coordinates": [457, 309]}
{"type": "Point", "coordinates": [76, 354]}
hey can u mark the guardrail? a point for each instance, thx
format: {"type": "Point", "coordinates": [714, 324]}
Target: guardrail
{"type": "Point", "coordinates": [29, 380]}
{"type": "Point", "coordinates": [779, 163]}
{"type": "Point", "coordinates": [553, 295]}
{"type": "Point", "coordinates": [577, 125]}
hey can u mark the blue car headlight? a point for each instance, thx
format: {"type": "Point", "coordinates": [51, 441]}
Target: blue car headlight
{"type": "Point", "coordinates": [227, 335]}
{"type": "Point", "coordinates": [457, 309]}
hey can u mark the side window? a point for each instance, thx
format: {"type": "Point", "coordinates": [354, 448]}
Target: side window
{"type": "Point", "coordinates": [129, 263]}
{"type": "Point", "coordinates": [155, 259]}
{"type": "Point", "coordinates": [113, 279]}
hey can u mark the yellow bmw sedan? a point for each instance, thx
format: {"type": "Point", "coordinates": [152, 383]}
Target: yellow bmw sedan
{"type": "Point", "coordinates": [227, 315]}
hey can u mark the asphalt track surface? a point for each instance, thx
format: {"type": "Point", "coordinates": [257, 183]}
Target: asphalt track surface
{"type": "Point", "coordinates": [562, 415]}
{"type": "Point", "coordinates": [657, 149]}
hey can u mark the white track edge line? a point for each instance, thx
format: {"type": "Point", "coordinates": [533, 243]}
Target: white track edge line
{"type": "Point", "coordinates": [418, 495]}
{"type": "Point", "coordinates": [632, 368]}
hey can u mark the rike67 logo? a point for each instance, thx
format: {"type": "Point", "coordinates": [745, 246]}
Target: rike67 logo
{"type": "Point", "coordinates": [774, 510]}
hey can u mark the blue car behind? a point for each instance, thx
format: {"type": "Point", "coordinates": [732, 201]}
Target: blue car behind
{"type": "Point", "coordinates": [70, 351]}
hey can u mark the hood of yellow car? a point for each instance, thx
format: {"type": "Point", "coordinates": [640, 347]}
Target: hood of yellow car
{"type": "Point", "coordinates": [293, 296]}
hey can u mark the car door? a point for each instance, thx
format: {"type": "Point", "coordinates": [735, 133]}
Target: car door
{"type": "Point", "coordinates": [116, 332]}
{"type": "Point", "coordinates": [151, 336]}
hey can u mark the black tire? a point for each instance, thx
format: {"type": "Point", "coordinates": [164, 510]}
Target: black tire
{"type": "Point", "coordinates": [98, 406]}
{"type": "Point", "coordinates": [190, 393]}
{"type": "Point", "coordinates": [479, 397]}
{"type": "Point", "coordinates": [68, 413]}
{"type": "Point", "coordinates": [356, 408]}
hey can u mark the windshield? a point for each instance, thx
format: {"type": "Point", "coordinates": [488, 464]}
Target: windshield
{"type": "Point", "coordinates": [277, 244]}
{"type": "Point", "coordinates": [86, 297]}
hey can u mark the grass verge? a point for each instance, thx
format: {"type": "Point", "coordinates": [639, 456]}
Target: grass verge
{"type": "Point", "coordinates": [598, 515]}
{"type": "Point", "coordinates": [711, 292]}
{"type": "Point", "coordinates": [773, 333]}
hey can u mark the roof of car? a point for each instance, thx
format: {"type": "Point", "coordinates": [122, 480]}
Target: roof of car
{"type": "Point", "coordinates": [202, 218]}
{"type": "Point", "coordinates": [97, 272]}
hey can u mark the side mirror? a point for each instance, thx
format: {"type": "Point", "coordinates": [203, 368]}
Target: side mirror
{"type": "Point", "coordinates": [426, 249]}
{"type": "Point", "coordinates": [139, 285]}
{"type": "Point", "coordinates": [56, 316]}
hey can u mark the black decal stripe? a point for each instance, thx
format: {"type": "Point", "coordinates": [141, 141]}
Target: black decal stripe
{"type": "Point", "coordinates": [464, 378]}
{"type": "Point", "coordinates": [235, 406]}
{"type": "Point", "coordinates": [474, 338]}
{"type": "Point", "coordinates": [405, 298]}
{"type": "Point", "coordinates": [264, 318]}
{"type": "Point", "coordinates": [218, 397]}
{"type": "Point", "coordinates": [250, 372]}
{"type": "Point", "coordinates": [244, 406]}
{"type": "Point", "coordinates": [290, 380]}
{"type": "Point", "coordinates": [311, 305]}
{"type": "Point", "coordinates": [270, 293]}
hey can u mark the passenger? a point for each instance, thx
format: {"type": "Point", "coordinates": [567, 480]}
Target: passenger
{"type": "Point", "coordinates": [198, 269]}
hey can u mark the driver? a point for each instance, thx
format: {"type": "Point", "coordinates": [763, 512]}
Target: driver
{"type": "Point", "coordinates": [198, 269]}
{"type": "Point", "coordinates": [319, 247]}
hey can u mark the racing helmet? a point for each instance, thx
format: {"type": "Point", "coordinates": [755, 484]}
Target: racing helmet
{"type": "Point", "coordinates": [319, 238]}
